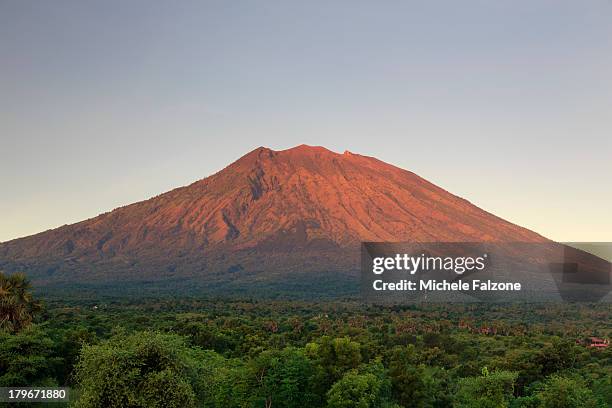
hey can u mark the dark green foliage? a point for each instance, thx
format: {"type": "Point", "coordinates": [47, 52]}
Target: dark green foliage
{"type": "Point", "coordinates": [67, 345]}
{"type": "Point", "coordinates": [557, 356]}
{"type": "Point", "coordinates": [141, 370]}
{"type": "Point", "coordinates": [282, 378]}
{"type": "Point", "coordinates": [559, 391]}
{"type": "Point", "coordinates": [490, 390]}
{"type": "Point", "coordinates": [17, 305]}
{"type": "Point", "coordinates": [366, 388]}
{"type": "Point", "coordinates": [333, 357]}
{"type": "Point", "coordinates": [206, 336]}
{"type": "Point", "coordinates": [251, 353]}
{"type": "Point", "coordinates": [27, 358]}
{"type": "Point", "coordinates": [414, 383]}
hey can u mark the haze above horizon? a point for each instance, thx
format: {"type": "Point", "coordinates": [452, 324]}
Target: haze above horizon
{"type": "Point", "coordinates": [505, 104]}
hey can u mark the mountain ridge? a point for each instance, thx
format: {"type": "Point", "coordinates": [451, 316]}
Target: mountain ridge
{"type": "Point", "coordinates": [306, 201]}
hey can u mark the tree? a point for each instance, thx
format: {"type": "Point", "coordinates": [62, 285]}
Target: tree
{"type": "Point", "coordinates": [282, 378]}
{"type": "Point", "coordinates": [565, 392]}
{"type": "Point", "coordinates": [26, 358]}
{"type": "Point", "coordinates": [205, 336]}
{"type": "Point", "coordinates": [491, 390]}
{"type": "Point", "coordinates": [144, 369]}
{"type": "Point", "coordinates": [68, 344]}
{"type": "Point", "coordinates": [224, 382]}
{"type": "Point", "coordinates": [414, 384]}
{"type": "Point", "coordinates": [527, 363]}
{"type": "Point", "coordinates": [365, 388]}
{"type": "Point", "coordinates": [557, 356]}
{"type": "Point", "coordinates": [17, 305]}
{"type": "Point", "coordinates": [333, 358]}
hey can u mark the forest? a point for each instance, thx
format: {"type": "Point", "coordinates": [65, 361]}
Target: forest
{"type": "Point", "coordinates": [254, 352]}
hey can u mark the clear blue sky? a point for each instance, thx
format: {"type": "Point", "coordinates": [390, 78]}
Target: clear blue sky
{"type": "Point", "coordinates": [505, 103]}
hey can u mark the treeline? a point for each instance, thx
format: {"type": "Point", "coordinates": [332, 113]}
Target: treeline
{"type": "Point", "coordinates": [220, 353]}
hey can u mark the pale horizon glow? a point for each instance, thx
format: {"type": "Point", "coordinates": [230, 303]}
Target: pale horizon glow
{"type": "Point", "coordinates": [506, 104]}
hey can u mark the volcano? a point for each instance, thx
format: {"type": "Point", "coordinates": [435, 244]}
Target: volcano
{"type": "Point", "coordinates": [268, 216]}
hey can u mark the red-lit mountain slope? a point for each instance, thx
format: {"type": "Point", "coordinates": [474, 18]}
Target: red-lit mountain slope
{"type": "Point", "coordinates": [268, 213]}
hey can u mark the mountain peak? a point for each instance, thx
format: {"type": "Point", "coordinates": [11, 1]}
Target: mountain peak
{"type": "Point", "coordinates": [308, 149]}
{"type": "Point", "coordinates": [302, 157]}
{"type": "Point", "coordinates": [302, 149]}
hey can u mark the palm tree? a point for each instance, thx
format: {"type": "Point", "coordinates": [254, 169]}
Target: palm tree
{"type": "Point", "coordinates": [17, 305]}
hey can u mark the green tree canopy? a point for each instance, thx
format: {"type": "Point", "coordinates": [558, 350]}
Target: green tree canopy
{"type": "Point", "coordinates": [17, 305]}
{"type": "Point", "coordinates": [282, 378]}
{"type": "Point", "coordinates": [368, 387]}
{"type": "Point", "coordinates": [415, 384]}
{"type": "Point", "coordinates": [333, 357]}
{"type": "Point", "coordinates": [144, 369]}
{"type": "Point", "coordinates": [27, 358]}
{"type": "Point", "coordinates": [491, 390]}
{"type": "Point", "coordinates": [559, 391]}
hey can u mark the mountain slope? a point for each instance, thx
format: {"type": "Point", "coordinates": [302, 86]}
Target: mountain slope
{"type": "Point", "coordinates": [268, 213]}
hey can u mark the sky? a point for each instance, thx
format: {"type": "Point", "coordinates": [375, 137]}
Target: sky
{"type": "Point", "coordinates": [505, 103]}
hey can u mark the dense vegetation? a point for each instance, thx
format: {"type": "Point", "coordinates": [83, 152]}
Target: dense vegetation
{"type": "Point", "coordinates": [254, 353]}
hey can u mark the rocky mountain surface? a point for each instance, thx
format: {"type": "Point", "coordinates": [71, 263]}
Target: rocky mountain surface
{"type": "Point", "coordinates": [270, 213]}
